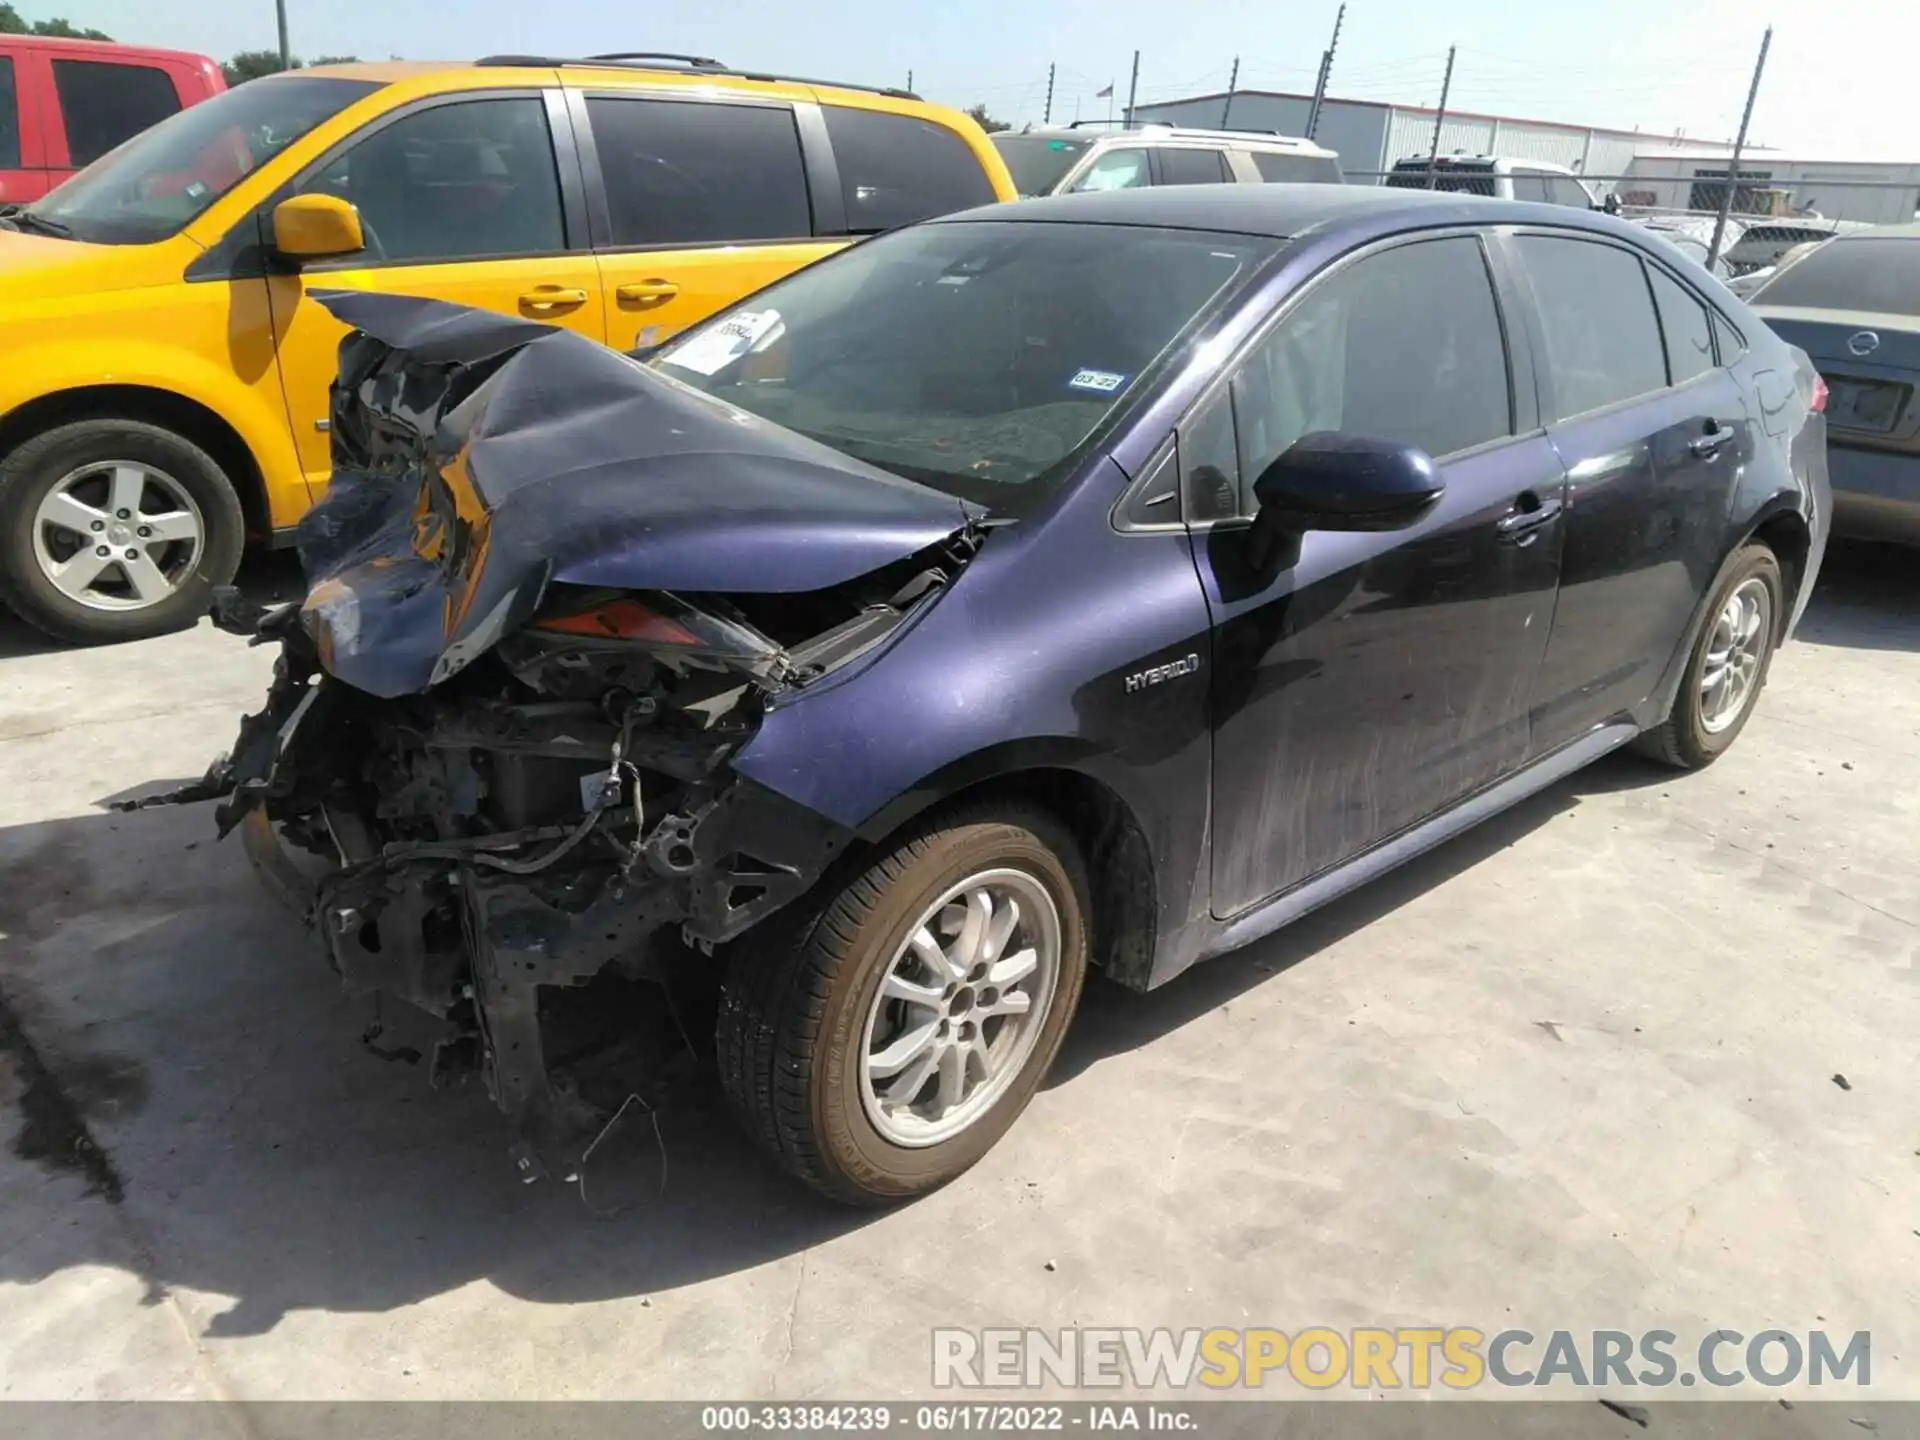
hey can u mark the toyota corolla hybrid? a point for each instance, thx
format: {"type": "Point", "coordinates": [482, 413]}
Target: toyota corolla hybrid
{"type": "Point", "coordinates": [1103, 581]}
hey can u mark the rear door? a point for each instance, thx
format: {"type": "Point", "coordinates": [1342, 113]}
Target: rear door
{"type": "Point", "coordinates": [693, 203]}
{"type": "Point", "coordinates": [23, 165]}
{"type": "Point", "coordinates": [1653, 432]}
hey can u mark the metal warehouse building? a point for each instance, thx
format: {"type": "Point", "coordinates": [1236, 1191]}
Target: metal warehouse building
{"type": "Point", "coordinates": [1370, 136]}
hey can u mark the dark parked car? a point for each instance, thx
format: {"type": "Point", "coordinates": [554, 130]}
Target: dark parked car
{"type": "Point", "coordinates": [1853, 304]}
{"type": "Point", "coordinates": [1101, 581]}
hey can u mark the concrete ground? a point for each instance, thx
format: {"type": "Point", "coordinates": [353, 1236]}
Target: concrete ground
{"type": "Point", "coordinates": [1581, 1068]}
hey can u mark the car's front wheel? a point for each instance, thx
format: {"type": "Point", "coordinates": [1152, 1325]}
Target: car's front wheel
{"type": "Point", "coordinates": [1729, 664]}
{"type": "Point", "coordinates": [114, 530]}
{"type": "Point", "coordinates": [882, 1046]}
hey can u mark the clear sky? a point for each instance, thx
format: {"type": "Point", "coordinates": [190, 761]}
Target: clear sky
{"type": "Point", "coordinates": [1841, 77]}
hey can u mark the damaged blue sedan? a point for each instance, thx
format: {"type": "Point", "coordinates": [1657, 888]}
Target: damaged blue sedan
{"type": "Point", "coordinates": [1103, 581]}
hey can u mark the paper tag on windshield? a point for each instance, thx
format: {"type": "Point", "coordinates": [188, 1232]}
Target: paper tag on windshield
{"type": "Point", "coordinates": [720, 345]}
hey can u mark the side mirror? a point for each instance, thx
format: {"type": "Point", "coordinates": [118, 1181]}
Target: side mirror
{"type": "Point", "coordinates": [314, 227]}
{"type": "Point", "coordinates": [1330, 480]}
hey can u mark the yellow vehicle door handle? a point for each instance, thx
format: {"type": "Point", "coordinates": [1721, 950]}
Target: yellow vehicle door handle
{"type": "Point", "coordinates": [646, 292]}
{"type": "Point", "coordinates": [552, 297]}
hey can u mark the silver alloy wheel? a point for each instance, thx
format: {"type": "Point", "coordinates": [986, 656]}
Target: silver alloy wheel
{"type": "Point", "coordinates": [1735, 651]}
{"type": "Point", "coordinates": [960, 1008]}
{"type": "Point", "coordinates": [118, 535]}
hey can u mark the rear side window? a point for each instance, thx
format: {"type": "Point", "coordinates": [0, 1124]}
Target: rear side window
{"type": "Point", "coordinates": [1531, 185]}
{"type": "Point", "coordinates": [1404, 345]}
{"type": "Point", "coordinates": [896, 169]}
{"type": "Point", "coordinates": [1278, 168]}
{"type": "Point", "coordinates": [1603, 342]}
{"type": "Point", "coordinates": [690, 173]}
{"type": "Point", "coordinates": [103, 104]}
{"type": "Point", "coordinates": [1684, 323]}
{"type": "Point", "coordinates": [9, 118]}
{"type": "Point", "coordinates": [1192, 167]}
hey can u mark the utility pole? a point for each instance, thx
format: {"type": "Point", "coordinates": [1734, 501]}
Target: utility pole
{"type": "Point", "coordinates": [280, 14]}
{"type": "Point", "coordinates": [1133, 86]}
{"type": "Point", "coordinates": [909, 79]}
{"type": "Point", "coordinates": [1739, 144]}
{"type": "Point", "coordinates": [1047, 117]}
{"type": "Point", "coordinates": [1439, 118]}
{"type": "Point", "coordinates": [1233, 83]}
{"type": "Point", "coordinates": [1326, 73]}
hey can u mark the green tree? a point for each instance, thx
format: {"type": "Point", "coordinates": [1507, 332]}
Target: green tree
{"type": "Point", "coordinates": [13, 23]}
{"type": "Point", "coordinates": [986, 121]}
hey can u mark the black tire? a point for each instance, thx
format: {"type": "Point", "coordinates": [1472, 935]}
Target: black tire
{"type": "Point", "coordinates": [1683, 738]}
{"type": "Point", "coordinates": [793, 1010]}
{"type": "Point", "coordinates": [32, 470]}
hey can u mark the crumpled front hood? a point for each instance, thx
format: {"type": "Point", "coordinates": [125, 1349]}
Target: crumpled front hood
{"type": "Point", "coordinates": [477, 457]}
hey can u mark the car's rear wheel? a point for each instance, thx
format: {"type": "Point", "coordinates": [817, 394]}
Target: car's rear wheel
{"type": "Point", "coordinates": [1728, 667]}
{"type": "Point", "coordinates": [880, 1047]}
{"type": "Point", "coordinates": [114, 530]}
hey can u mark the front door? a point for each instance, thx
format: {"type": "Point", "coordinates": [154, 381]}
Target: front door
{"type": "Point", "coordinates": [459, 201]}
{"type": "Point", "coordinates": [1376, 678]}
{"type": "Point", "coordinates": [705, 201]}
{"type": "Point", "coordinates": [1653, 433]}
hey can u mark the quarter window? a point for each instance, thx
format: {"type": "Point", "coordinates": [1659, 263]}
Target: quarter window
{"type": "Point", "coordinates": [455, 182]}
{"type": "Point", "coordinates": [1405, 345]}
{"type": "Point", "coordinates": [690, 173]}
{"type": "Point", "coordinates": [9, 118]}
{"type": "Point", "coordinates": [1116, 170]}
{"type": "Point", "coordinates": [897, 170]}
{"type": "Point", "coordinates": [103, 104]}
{"type": "Point", "coordinates": [1684, 323]}
{"type": "Point", "coordinates": [1192, 167]}
{"type": "Point", "coordinates": [1603, 342]}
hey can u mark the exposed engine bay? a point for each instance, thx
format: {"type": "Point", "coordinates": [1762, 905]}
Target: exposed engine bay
{"type": "Point", "coordinates": [487, 772]}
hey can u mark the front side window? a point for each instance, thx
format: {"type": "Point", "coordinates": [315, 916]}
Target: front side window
{"type": "Point", "coordinates": [1684, 323]}
{"type": "Point", "coordinates": [1531, 185]}
{"type": "Point", "coordinates": [686, 172]}
{"type": "Point", "coordinates": [1116, 170]}
{"type": "Point", "coordinates": [1603, 342]}
{"type": "Point", "coordinates": [1404, 345]}
{"type": "Point", "coordinates": [1192, 167]}
{"type": "Point", "coordinates": [899, 170]}
{"type": "Point", "coordinates": [454, 182]}
{"type": "Point", "coordinates": [103, 105]}
{"type": "Point", "coordinates": [977, 357]}
{"type": "Point", "coordinates": [9, 118]}
{"type": "Point", "coordinates": [1565, 190]}
{"type": "Point", "coordinates": [164, 177]}
{"type": "Point", "coordinates": [1277, 167]}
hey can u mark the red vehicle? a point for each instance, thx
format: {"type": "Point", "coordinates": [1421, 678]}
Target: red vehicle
{"type": "Point", "coordinates": [65, 103]}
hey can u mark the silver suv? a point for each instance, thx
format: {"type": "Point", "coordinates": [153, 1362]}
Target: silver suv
{"type": "Point", "coordinates": [1078, 157]}
{"type": "Point", "coordinates": [1541, 181]}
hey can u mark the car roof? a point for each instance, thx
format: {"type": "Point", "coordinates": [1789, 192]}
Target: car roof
{"type": "Point", "coordinates": [1285, 210]}
{"type": "Point", "coordinates": [1909, 231]}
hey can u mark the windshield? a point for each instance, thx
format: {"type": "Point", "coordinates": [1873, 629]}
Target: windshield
{"type": "Point", "coordinates": [976, 357]}
{"type": "Point", "coordinates": [1038, 162]}
{"type": "Point", "coordinates": [162, 178]}
{"type": "Point", "coordinates": [1875, 275]}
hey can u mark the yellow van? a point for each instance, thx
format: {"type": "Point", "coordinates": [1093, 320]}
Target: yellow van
{"type": "Point", "coordinates": [164, 371]}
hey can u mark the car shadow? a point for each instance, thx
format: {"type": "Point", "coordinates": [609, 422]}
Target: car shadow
{"type": "Point", "coordinates": [1867, 598]}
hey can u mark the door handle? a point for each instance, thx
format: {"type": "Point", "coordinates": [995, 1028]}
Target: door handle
{"type": "Point", "coordinates": [1529, 514]}
{"type": "Point", "coordinates": [646, 292]}
{"type": "Point", "coordinates": [1708, 445]}
{"type": "Point", "coordinates": [552, 297]}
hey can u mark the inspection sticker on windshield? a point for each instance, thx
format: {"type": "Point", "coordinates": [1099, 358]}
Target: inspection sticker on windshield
{"type": "Point", "coordinates": [1098, 382]}
{"type": "Point", "coordinates": [718, 346]}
